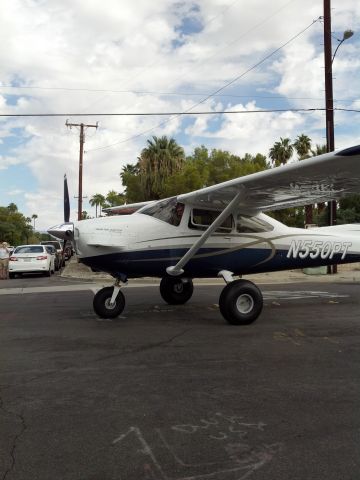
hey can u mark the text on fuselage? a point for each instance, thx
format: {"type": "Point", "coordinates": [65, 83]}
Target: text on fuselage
{"type": "Point", "coordinates": [317, 249]}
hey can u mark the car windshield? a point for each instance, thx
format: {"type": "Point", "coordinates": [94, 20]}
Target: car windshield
{"type": "Point", "coordinates": [53, 243]}
{"type": "Point", "coordinates": [30, 249]}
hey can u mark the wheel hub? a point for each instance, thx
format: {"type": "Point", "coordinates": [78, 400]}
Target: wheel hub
{"type": "Point", "coordinates": [109, 305]}
{"type": "Point", "coordinates": [245, 303]}
{"type": "Point", "coordinates": [178, 287]}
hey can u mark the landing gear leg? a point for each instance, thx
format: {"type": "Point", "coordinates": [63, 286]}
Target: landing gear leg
{"type": "Point", "coordinates": [241, 301]}
{"type": "Point", "coordinates": [109, 302]}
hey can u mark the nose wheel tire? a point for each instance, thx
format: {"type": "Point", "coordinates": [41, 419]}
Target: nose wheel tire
{"type": "Point", "coordinates": [241, 302]}
{"type": "Point", "coordinates": [103, 306]}
{"type": "Point", "coordinates": [176, 291]}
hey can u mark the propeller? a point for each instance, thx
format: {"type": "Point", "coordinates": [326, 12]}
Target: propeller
{"type": "Point", "coordinates": [66, 201]}
{"type": "Point", "coordinates": [65, 231]}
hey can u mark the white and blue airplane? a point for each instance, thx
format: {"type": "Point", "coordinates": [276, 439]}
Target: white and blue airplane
{"type": "Point", "coordinates": [221, 231]}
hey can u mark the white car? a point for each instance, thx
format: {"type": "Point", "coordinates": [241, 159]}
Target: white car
{"type": "Point", "coordinates": [32, 259]}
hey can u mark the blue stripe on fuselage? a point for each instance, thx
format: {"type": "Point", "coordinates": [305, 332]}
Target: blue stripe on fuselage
{"type": "Point", "coordinates": [207, 263]}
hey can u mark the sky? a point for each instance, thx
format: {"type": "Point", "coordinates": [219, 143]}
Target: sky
{"type": "Point", "coordinates": [120, 57]}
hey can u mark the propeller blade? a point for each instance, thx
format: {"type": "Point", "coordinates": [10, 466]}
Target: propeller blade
{"type": "Point", "coordinates": [66, 201]}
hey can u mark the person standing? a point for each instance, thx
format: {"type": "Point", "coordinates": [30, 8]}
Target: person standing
{"type": "Point", "coordinates": [4, 261]}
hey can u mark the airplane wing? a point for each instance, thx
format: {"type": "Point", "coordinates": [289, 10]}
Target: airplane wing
{"type": "Point", "coordinates": [317, 179]}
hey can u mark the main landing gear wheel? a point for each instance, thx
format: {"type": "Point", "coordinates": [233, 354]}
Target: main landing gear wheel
{"type": "Point", "coordinates": [103, 306]}
{"type": "Point", "coordinates": [240, 302]}
{"type": "Point", "coordinates": [176, 291]}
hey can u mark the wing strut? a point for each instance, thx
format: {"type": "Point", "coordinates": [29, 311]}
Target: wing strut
{"type": "Point", "coordinates": [178, 268]}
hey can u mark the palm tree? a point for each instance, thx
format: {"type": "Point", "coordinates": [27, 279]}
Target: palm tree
{"type": "Point", "coordinates": [34, 217]}
{"type": "Point", "coordinates": [12, 208]}
{"type": "Point", "coordinates": [114, 199]}
{"type": "Point", "coordinates": [302, 146]}
{"type": "Point", "coordinates": [319, 150]}
{"type": "Point", "coordinates": [97, 200]}
{"type": "Point", "coordinates": [161, 158]}
{"type": "Point", "coordinates": [281, 152]}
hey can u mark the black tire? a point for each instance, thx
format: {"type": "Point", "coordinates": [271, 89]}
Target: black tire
{"type": "Point", "coordinates": [241, 302]}
{"type": "Point", "coordinates": [11, 275]}
{"type": "Point", "coordinates": [101, 303]}
{"type": "Point", "coordinates": [176, 291]}
{"type": "Point", "coordinates": [48, 273]}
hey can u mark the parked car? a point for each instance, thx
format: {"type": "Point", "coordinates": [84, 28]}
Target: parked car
{"type": "Point", "coordinates": [60, 260]}
{"type": "Point", "coordinates": [31, 259]}
{"type": "Point", "coordinates": [52, 250]}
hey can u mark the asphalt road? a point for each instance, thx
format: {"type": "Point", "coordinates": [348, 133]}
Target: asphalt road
{"type": "Point", "coordinates": [174, 392]}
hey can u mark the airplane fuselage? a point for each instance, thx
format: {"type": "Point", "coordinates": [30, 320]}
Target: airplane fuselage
{"type": "Point", "coordinates": [140, 245]}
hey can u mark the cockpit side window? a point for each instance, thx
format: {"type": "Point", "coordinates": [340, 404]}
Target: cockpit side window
{"type": "Point", "coordinates": [201, 219]}
{"type": "Point", "coordinates": [246, 224]}
{"type": "Point", "coordinates": [169, 211]}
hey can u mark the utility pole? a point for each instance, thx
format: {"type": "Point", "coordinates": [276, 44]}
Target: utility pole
{"type": "Point", "coordinates": [82, 141]}
{"type": "Point", "coordinates": [329, 100]}
{"type": "Point", "coordinates": [329, 106]}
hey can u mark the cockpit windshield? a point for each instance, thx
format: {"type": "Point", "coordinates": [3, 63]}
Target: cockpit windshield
{"type": "Point", "coordinates": [169, 211]}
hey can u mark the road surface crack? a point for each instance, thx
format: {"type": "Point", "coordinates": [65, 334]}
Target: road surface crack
{"type": "Point", "coordinates": [144, 348]}
{"type": "Point", "coordinates": [19, 416]}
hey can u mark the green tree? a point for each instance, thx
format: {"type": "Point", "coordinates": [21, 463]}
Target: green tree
{"type": "Point", "coordinates": [319, 150]}
{"type": "Point", "coordinates": [130, 178]}
{"type": "Point", "coordinates": [34, 217]}
{"type": "Point", "coordinates": [281, 152]}
{"type": "Point", "coordinates": [113, 199]}
{"type": "Point", "coordinates": [349, 210]}
{"type": "Point", "coordinates": [97, 200]}
{"type": "Point", "coordinates": [12, 208]}
{"type": "Point", "coordinates": [15, 228]}
{"type": "Point", "coordinates": [302, 145]}
{"type": "Point", "coordinates": [161, 158]}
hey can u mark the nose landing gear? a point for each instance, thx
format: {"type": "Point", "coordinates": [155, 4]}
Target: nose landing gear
{"type": "Point", "coordinates": [109, 302]}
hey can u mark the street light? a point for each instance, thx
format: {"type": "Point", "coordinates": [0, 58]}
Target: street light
{"type": "Point", "coordinates": [347, 34]}
{"type": "Point", "coordinates": [329, 102]}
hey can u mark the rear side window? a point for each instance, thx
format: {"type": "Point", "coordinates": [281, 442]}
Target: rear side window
{"type": "Point", "coordinates": [201, 219]}
{"type": "Point", "coordinates": [30, 249]}
{"type": "Point", "coordinates": [246, 224]}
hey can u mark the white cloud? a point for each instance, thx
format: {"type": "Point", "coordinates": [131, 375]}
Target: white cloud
{"type": "Point", "coordinates": [145, 46]}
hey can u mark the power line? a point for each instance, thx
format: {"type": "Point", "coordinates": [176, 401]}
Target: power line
{"type": "Point", "coordinates": [176, 94]}
{"type": "Point", "coordinates": [168, 114]}
{"type": "Point", "coordinates": [133, 137]}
